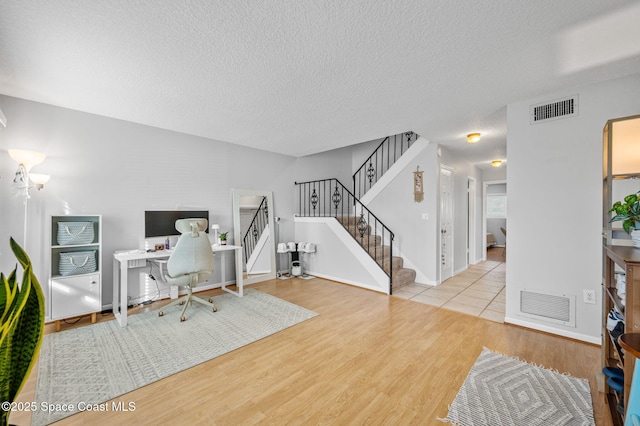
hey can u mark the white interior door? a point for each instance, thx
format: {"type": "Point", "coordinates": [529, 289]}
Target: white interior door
{"type": "Point", "coordinates": [446, 223]}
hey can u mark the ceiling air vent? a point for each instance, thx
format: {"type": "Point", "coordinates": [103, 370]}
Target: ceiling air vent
{"type": "Point", "coordinates": [561, 108]}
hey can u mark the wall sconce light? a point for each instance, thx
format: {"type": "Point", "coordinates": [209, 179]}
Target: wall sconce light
{"type": "Point", "coordinates": [473, 137]}
{"type": "Point", "coordinates": [496, 163]}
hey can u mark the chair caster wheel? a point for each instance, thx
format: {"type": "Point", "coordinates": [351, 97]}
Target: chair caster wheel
{"type": "Point", "coordinates": [210, 300]}
{"type": "Point", "coordinates": [182, 319]}
{"type": "Point", "coordinates": [214, 309]}
{"type": "Point", "coordinates": [181, 303]}
{"type": "Point", "coordinates": [160, 313]}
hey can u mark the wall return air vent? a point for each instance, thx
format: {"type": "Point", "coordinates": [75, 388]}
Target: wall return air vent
{"type": "Point", "coordinates": [554, 110]}
{"type": "Point", "coordinates": [555, 308]}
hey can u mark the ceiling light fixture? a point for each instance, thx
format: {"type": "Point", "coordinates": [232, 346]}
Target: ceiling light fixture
{"type": "Point", "coordinates": [473, 137]}
{"type": "Point", "coordinates": [496, 163]}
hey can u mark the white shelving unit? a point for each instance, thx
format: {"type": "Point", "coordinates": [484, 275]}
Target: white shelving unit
{"type": "Point", "coordinates": [75, 294]}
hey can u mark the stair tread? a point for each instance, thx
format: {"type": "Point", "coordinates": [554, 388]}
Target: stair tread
{"type": "Point", "coordinates": [403, 277]}
{"type": "Point", "coordinates": [372, 244]}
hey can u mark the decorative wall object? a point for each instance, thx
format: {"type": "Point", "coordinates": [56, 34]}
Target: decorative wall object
{"type": "Point", "coordinates": [418, 189]}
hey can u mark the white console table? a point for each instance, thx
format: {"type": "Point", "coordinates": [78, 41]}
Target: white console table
{"type": "Point", "coordinates": [125, 260]}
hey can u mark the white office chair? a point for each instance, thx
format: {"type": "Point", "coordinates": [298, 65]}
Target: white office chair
{"type": "Point", "coordinates": [190, 263]}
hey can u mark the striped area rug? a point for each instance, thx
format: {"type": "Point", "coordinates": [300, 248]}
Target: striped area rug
{"type": "Point", "coordinates": [84, 367]}
{"type": "Point", "coordinates": [502, 391]}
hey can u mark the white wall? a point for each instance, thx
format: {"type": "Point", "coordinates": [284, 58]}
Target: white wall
{"type": "Point", "coordinates": [495, 173]}
{"type": "Point", "coordinates": [555, 201]}
{"type": "Point", "coordinates": [338, 255]}
{"type": "Point", "coordinates": [119, 169]}
{"type": "Point", "coordinates": [417, 238]}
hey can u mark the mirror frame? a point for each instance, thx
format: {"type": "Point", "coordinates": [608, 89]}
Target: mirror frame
{"type": "Point", "coordinates": [237, 239]}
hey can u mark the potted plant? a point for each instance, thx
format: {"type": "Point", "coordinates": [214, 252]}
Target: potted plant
{"type": "Point", "coordinates": [21, 328]}
{"type": "Point", "coordinates": [629, 213]}
{"type": "Point", "coordinates": [223, 238]}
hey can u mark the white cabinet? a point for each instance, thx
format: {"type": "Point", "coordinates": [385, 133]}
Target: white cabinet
{"type": "Point", "coordinates": [75, 287]}
{"type": "Point", "coordinates": [75, 296]}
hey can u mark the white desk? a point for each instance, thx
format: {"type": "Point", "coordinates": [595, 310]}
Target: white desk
{"type": "Point", "coordinates": [125, 260]}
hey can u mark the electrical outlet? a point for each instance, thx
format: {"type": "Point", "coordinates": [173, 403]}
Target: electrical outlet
{"type": "Point", "coordinates": [589, 296]}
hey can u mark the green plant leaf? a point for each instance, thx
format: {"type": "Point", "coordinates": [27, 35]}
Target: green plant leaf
{"type": "Point", "coordinates": [22, 328]}
{"type": "Point", "coordinates": [19, 253]}
{"type": "Point", "coordinates": [28, 333]}
{"type": "Point", "coordinates": [12, 289]}
{"type": "Point", "coordinates": [627, 225]}
{"type": "Point", "coordinates": [627, 212]}
{"type": "Point", "coordinates": [631, 198]}
{"type": "Point", "coordinates": [5, 294]}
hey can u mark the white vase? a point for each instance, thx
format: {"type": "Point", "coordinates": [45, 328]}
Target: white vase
{"type": "Point", "coordinates": [635, 237]}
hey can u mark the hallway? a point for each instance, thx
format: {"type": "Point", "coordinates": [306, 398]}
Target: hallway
{"type": "Point", "coordinates": [478, 291]}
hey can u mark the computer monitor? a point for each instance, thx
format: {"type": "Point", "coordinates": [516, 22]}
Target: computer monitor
{"type": "Point", "coordinates": [162, 223]}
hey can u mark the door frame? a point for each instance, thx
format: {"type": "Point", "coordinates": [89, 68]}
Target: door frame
{"type": "Point", "coordinates": [472, 218]}
{"type": "Point", "coordinates": [453, 215]}
{"type": "Point", "coordinates": [485, 185]}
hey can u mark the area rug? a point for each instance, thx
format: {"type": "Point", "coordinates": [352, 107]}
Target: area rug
{"type": "Point", "coordinates": [93, 364]}
{"type": "Point", "coordinates": [505, 391]}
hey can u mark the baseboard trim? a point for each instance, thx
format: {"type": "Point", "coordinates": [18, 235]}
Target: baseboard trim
{"type": "Point", "coordinates": [343, 281]}
{"type": "Point", "coordinates": [553, 330]}
{"type": "Point", "coordinates": [464, 268]}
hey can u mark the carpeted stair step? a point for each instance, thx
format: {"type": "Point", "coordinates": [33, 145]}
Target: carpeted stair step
{"type": "Point", "coordinates": [403, 277]}
{"type": "Point", "coordinates": [348, 220]}
{"type": "Point", "coordinates": [373, 245]}
{"type": "Point", "coordinates": [396, 264]}
{"type": "Point", "coordinates": [366, 239]}
{"type": "Point", "coordinates": [379, 253]}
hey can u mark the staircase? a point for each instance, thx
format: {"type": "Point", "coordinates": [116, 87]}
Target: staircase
{"type": "Point", "coordinates": [380, 161]}
{"type": "Point", "coordinates": [330, 198]}
{"type": "Point", "coordinates": [372, 243]}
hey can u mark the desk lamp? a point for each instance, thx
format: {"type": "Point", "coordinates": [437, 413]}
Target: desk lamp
{"type": "Point", "coordinates": [215, 228]}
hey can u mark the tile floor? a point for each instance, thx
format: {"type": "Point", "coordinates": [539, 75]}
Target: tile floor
{"type": "Point", "coordinates": [478, 291]}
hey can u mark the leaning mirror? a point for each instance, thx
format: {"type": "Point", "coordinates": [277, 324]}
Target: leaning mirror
{"type": "Point", "coordinates": [253, 230]}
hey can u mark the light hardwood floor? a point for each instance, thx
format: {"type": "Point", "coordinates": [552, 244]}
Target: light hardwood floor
{"type": "Point", "coordinates": [366, 359]}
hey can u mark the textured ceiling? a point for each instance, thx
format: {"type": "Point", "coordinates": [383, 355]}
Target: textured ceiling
{"type": "Point", "coordinates": [299, 77]}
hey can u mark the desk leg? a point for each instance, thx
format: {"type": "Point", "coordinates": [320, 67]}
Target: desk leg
{"type": "Point", "coordinates": [239, 281]}
{"type": "Point", "coordinates": [120, 272]}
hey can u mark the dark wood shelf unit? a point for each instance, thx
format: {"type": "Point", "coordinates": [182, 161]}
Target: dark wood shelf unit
{"type": "Point", "coordinates": [613, 403]}
{"type": "Point", "coordinates": [615, 299]}
{"type": "Point", "coordinates": [628, 260]}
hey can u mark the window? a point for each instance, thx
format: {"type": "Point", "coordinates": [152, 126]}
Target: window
{"type": "Point", "coordinates": [497, 206]}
